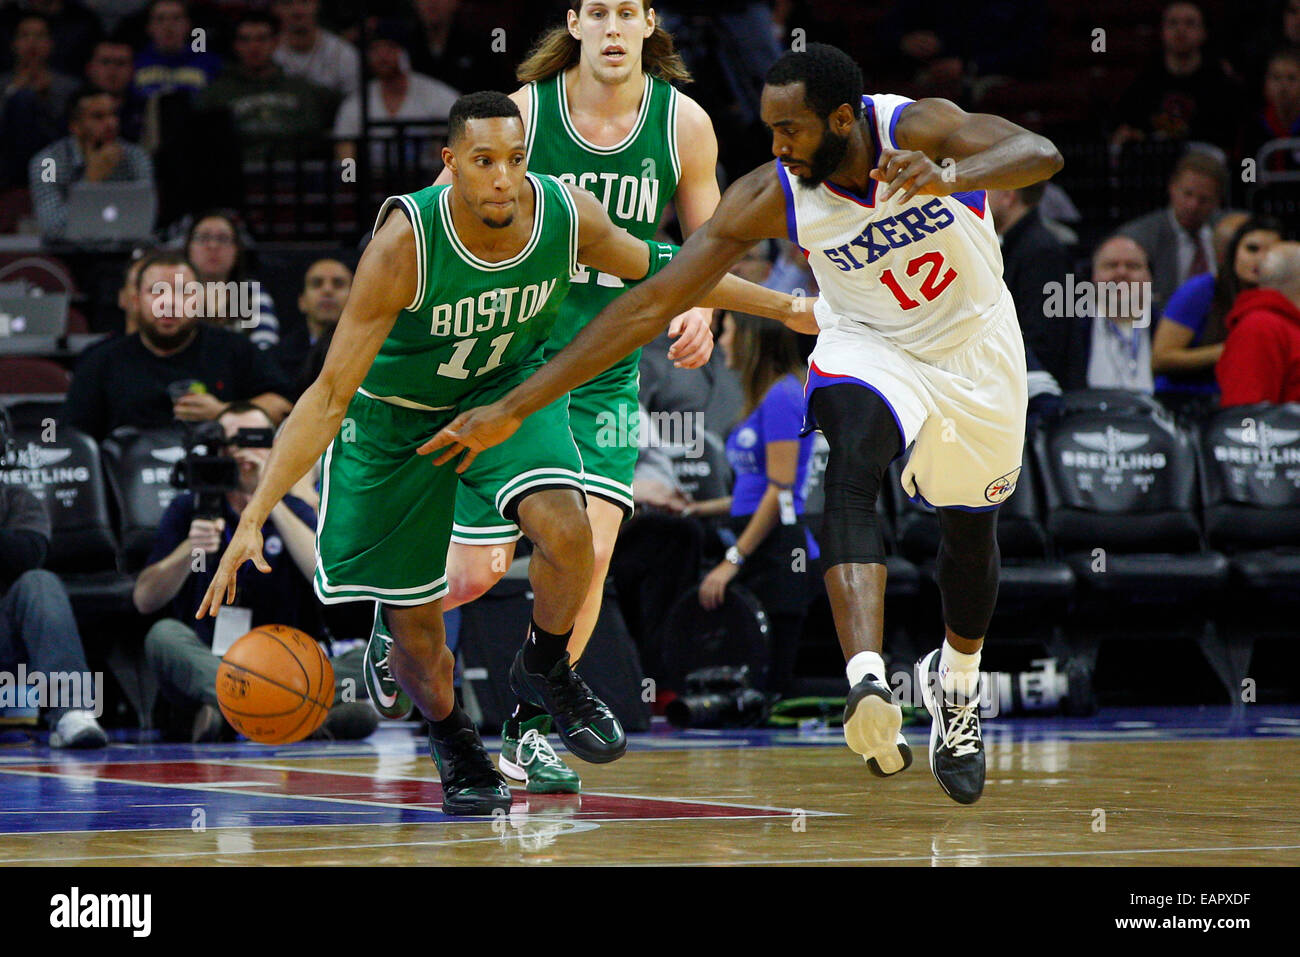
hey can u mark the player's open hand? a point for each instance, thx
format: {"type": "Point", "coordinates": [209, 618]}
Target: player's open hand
{"type": "Point", "coordinates": [912, 173]}
{"type": "Point", "coordinates": [471, 432]}
{"type": "Point", "coordinates": [693, 330]}
{"type": "Point", "coordinates": [246, 545]}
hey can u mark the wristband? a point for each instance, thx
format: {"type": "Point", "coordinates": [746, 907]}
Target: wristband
{"type": "Point", "coordinates": [661, 254]}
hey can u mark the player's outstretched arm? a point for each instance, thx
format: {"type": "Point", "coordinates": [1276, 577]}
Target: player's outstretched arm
{"type": "Point", "coordinates": [946, 150]}
{"type": "Point", "coordinates": [605, 246]}
{"type": "Point", "coordinates": [751, 210]}
{"type": "Point", "coordinates": [384, 284]}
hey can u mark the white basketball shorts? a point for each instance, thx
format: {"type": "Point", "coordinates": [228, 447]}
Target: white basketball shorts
{"type": "Point", "coordinates": [965, 413]}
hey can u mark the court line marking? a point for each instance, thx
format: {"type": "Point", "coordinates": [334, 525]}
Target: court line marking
{"type": "Point", "coordinates": [960, 856]}
{"type": "Point", "coordinates": [579, 827]}
{"type": "Point", "coordinates": [608, 794]}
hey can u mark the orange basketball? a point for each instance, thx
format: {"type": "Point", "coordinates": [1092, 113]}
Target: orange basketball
{"type": "Point", "coordinates": [275, 685]}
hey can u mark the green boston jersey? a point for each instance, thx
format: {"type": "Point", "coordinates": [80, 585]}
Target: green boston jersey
{"type": "Point", "coordinates": [473, 320]}
{"type": "Point", "coordinates": [634, 180]}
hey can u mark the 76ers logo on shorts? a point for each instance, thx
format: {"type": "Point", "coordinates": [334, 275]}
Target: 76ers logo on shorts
{"type": "Point", "coordinates": [1001, 487]}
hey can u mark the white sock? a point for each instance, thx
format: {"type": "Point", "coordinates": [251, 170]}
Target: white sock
{"type": "Point", "coordinates": [959, 673]}
{"type": "Point", "coordinates": [865, 663]}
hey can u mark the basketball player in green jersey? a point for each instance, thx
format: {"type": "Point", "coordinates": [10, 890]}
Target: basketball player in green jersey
{"type": "Point", "coordinates": [601, 115]}
{"type": "Point", "coordinates": [452, 304]}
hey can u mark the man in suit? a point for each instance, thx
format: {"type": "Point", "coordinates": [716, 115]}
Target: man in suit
{"type": "Point", "coordinates": [1178, 239]}
{"type": "Point", "coordinates": [1032, 259]}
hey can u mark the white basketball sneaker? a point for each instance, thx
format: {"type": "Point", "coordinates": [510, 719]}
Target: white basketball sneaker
{"type": "Point", "coordinates": [873, 728]}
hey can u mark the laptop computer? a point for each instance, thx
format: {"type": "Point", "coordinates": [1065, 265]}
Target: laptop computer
{"type": "Point", "coordinates": [45, 316]}
{"type": "Point", "coordinates": [111, 212]}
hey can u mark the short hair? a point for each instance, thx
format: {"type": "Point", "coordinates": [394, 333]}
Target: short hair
{"type": "Point", "coordinates": [484, 105]}
{"type": "Point", "coordinates": [33, 15]}
{"type": "Point", "coordinates": [258, 16]}
{"type": "Point", "coordinates": [243, 407]}
{"type": "Point", "coordinates": [1110, 239]}
{"type": "Point", "coordinates": [84, 92]}
{"type": "Point", "coordinates": [167, 257]}
{"type": "Point", "coordinates": [829, 76]}
{"type": "Point", "coordinates": [1203, 164]}
{"type": "Point", "coordinates": [155, 4]}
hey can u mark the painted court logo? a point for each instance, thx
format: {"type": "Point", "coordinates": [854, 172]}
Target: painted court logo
{"type": "Point", "coordinates": [1001, 487]}
{"type": "Point", "coordinates": [75, 910]}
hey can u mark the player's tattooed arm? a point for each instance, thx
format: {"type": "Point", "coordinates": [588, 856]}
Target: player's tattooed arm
{"type": "Point", "coordinates": [384, 285]}
{"type": "Point", "coordinates": [945, 150]}
{"type": "Point", "coordinates": [753, 209]}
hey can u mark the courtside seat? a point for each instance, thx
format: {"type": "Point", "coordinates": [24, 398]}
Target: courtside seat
{"type": "Point", "coordinates": [139, 465]}
{"type": "Point", "coordinates": [1121, 498]}
{"type": "Point", "coordinates": [65, 473]}
{"type": "Point", "coordinates": [1251, 459]}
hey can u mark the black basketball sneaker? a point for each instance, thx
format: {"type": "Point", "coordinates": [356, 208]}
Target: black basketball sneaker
{"type": "Point", "coordinates": [873, 728]}
{"type": "Point", "coordinates": [586, 726]}
{"type": "Point", "coordinates": [470, 783]}
{"type": "Point", "coordinates": [956, 746]}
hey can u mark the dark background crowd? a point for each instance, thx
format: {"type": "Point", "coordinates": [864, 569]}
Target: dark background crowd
{"type": "Point", "coordinates": [260, 137]}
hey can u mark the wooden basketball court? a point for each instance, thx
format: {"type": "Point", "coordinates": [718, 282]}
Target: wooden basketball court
{"type": "Point", "coordinates": [1139, 787]}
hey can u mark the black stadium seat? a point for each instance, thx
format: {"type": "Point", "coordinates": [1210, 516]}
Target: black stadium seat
{"type": "Point", "coordinates": [139, 466]}
{"type": "Point", "coordinates": [65, 474]}
{"type": "Point", "coordinates": [703, 476]}
{"type": "Point", "coordinates": [1251, 461]}
{"type": "Point", "coordinates": [1121, 497]}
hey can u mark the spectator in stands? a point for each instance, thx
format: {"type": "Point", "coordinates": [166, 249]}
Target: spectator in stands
{"type": "Point", "coordinates": [395, 94]}
{"type": "Point", "coordinates": [1183, 95]}
{"type": "Point", "coordinates": [325, 288]}
{"type": "Point", "coordinates": [35, 98]}
{"type": "Point", "coordinates": [111, 68]}
{"type": "Point", "coordinates": [73, 30]}
{"type": "Point", "coordinates": [1032, 259]}
{"type": "Point", "coordinates": [313, 53]}
{"type": "Point", "coordinates": [769, 459]}
{"type": "Point", "coordinates": [37, 627]}
{"type": "Point", "coordinates": [270, 108]}
{"type": "Point", "coordinates": [128, 297]}
{"type": "Point", "coordinates": [1224, 230]}
{"type": "Point", "coordinates": [1111, 348]}
{"type": "Point", "coordinates": [93, 153]}
{"type": "Point", "coordinates": [1261, 357]}
{"type": "Point", "coordinates": [232, 298]}
{"type": "Point", "coordinates": [1189, 336]}
{"type": "Point", "coordinates": [453, 45]}
{"type": "Point", "coordinates": [175, 367]}
{"type": "Point", "coordinates": [174, 60]}
{"type": "Point", "coordinates": [1178, 239]}
{"type": "Point", "coordinates": [1280, 117]}
{"type": "Point", "coordinates": [179, 649]}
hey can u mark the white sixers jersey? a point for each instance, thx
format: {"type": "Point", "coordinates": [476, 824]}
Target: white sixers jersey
{"type": "Point", "coordinates": [925, 274]}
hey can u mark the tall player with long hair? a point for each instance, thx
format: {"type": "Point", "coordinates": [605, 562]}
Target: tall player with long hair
{"type": "Point", "coordinates": [600, 113]}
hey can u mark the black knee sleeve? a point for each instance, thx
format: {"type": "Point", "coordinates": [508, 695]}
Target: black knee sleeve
{"type": "Point", "coordinates": [968, 570]}
{"type": "Point", "coordinates": [863, 437]}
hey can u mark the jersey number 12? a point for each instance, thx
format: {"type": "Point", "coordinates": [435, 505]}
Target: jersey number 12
{"type": "Point", "coordinates": [935, 281]}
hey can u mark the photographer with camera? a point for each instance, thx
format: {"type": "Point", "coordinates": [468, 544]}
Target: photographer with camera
{"type": "Point", "coordinates": [222, 472]}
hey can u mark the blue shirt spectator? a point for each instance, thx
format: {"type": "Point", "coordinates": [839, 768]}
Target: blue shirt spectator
{"type": "Point", "coordinates": [778, 418]}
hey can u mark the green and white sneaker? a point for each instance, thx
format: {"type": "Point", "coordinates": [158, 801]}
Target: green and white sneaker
{"type": "Point", "coordinates": [386, 695]}
{"type": "Point", "coordinates": [526, 755]}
